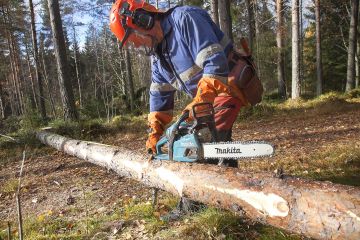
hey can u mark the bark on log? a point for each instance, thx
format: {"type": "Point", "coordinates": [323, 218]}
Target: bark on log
{"type": "Point", "coordinates": [321, 210]}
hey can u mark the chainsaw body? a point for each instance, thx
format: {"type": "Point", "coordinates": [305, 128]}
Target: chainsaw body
{"type": "Point", "coordinates": [184, 140]}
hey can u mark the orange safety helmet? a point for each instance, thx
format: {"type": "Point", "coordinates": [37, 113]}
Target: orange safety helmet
{"type": "Point", "coordinates": [127, 16]}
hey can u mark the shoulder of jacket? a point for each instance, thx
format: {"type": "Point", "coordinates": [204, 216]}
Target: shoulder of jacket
{"type": "Point", "coordinates": [185, 11]}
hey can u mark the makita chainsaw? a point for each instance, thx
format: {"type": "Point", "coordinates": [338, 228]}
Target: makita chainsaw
{"type": "Point", "coordinates": [198, 141]}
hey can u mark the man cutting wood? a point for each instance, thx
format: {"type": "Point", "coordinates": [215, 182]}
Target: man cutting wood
{"type": "Point", "coordinates": [189, 53]}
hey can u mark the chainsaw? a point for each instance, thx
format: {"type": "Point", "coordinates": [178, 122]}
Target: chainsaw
{"type": "Point", "coordinates": [198, 141]}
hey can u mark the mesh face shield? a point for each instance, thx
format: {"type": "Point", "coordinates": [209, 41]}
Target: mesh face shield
{"type": "Point", "coordinates": [144, 44]}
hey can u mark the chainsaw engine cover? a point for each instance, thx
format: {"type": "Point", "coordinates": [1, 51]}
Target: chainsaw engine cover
{"type": "Point", "coordinates": [186, 146]}
{"type": "Point", "coordinates": [183, 141]}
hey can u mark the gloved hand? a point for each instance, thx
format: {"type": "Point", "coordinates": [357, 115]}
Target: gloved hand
{"type": "Point", "coordinates": [208, 89]}
{"type": "Point", "coordinates": [154, 136]}
{"type": "Point", "coordinates": [157, 122]}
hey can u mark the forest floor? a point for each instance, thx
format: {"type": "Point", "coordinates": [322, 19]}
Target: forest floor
{"type": "Point", "coordinates": [67, 198]}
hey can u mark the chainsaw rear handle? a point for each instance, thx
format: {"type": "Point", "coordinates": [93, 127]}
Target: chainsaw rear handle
{"type": "Point", "coordinates": [174, 131]}
{"type": "Point", "coordinates": [172, 136]}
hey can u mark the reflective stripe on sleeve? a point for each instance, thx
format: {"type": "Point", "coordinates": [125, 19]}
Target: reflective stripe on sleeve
{"type": "Point", "coordinates": [206, 53]}
{"type": "Point", "coordinates": [190, 73]}
{"type": "Point", "coordinates": [161, 87]}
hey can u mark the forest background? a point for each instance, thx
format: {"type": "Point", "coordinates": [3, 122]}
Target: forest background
{"type": "Point", "coordinates": [302, 49]}
{"type": "Point", "coordinates": [61, 67]}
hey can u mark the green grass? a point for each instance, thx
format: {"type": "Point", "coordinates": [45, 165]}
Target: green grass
{"type": "Point", "coordinates": [325, 103]}
{"type": "Point", "coordinates": [10, 186]}
{"type": "Point", "coordinates": [212, 223]}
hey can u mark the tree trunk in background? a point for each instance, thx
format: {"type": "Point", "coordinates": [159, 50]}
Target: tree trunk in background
{"type": "Point", "coordinates": [301, 47]}
{"type": "Point", "coordinates": [280, 44]}
{"type": "Point", "coordinates": [46, 77]}
{"type": "Point", "coordinates": [16, 96]}
{"type": "Point", "coordinates": [350, 77]}
{"type": "Point", "coordinates": [16, 73]}
{"type": "Point", "coordinates": [319, 82]}
{"type": "Point", "coordinates": [37, 62]}
{"type": "Point", "coordinates": [225, 17]}
{"type": "Point", "coordinates": [257, 37]}
{"type": "Point", "coordinates": [2, 105]}
{"type": "Point", "coordinates": [295, 91]}
{"type": "Point", "coordinates": [357, 67]}
{"type": "Point", "coordinates": [66, 92]}
{"type": "Point", "coordinates": [250, 17]}
{"type": "Point", "coordinates": [130, 82]}
{"type": "Point", "coordinates": [33, 98]}
{"type": "Point", "coordinates": [320, 210]}
{"type": "Point", "coordinates": [11, 96]}
{"type": "Point", "coordinates": [214, 6]}
{"type": "Point", "coordinates": [77, 67]}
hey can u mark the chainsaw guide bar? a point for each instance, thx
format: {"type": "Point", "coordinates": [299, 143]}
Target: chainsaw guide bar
{"type": "Point", "coordinates": [237, 150]}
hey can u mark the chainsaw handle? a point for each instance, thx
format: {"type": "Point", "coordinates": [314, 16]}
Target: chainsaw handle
{"type": "Point", "coordinates": [181, 119]}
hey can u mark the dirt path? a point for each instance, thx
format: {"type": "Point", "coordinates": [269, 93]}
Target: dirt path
{"type": "Point", "coordinates": [57, 182]}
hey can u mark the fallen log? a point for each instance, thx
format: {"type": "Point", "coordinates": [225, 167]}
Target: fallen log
{"type": "Point", "coordinates": [321, 210]}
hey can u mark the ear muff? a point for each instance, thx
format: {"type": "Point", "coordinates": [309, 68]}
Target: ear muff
{"type": "Point", "coordinates": [140, 17]}
{"type": "Point", "coordinates": [143, 19]}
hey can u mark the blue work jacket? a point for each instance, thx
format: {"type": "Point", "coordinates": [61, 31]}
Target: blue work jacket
{"type": "Point", "coordinates": [193, 47]}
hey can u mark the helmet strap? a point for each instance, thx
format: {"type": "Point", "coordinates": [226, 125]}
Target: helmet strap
{"type": "Point", "coordinates": [127, 32]}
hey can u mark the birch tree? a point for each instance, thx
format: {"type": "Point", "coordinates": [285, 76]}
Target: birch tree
{"type": "Point", "coordinates": [295, 91]}
{"type": "Point", "coordinates": [37, 61]}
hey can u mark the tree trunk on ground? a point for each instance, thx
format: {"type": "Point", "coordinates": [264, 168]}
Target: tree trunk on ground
{"type": "Point", "coordinates": [37, 62]}
{"type": "Point", "coordinates": [280, 44]}
{"type": "Point", "coordinates": [319, 82]}
{"type": "Point", "coordinates": [225, 17]}
{"type": "Point", "coordinates": [320, 210]}
{"type": "Point", "coordinates": [250, 16]}
{"type": "Point", "coordinates": [214, 11]}
{"type": "Point", "coordinates": [350, 76]}
{"type": "Point", "coordinates": [295, 91]}
{"type": "Point", "coordinates": [130, 82]}
{"type": "Point", "coordinates": [67, 96]}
